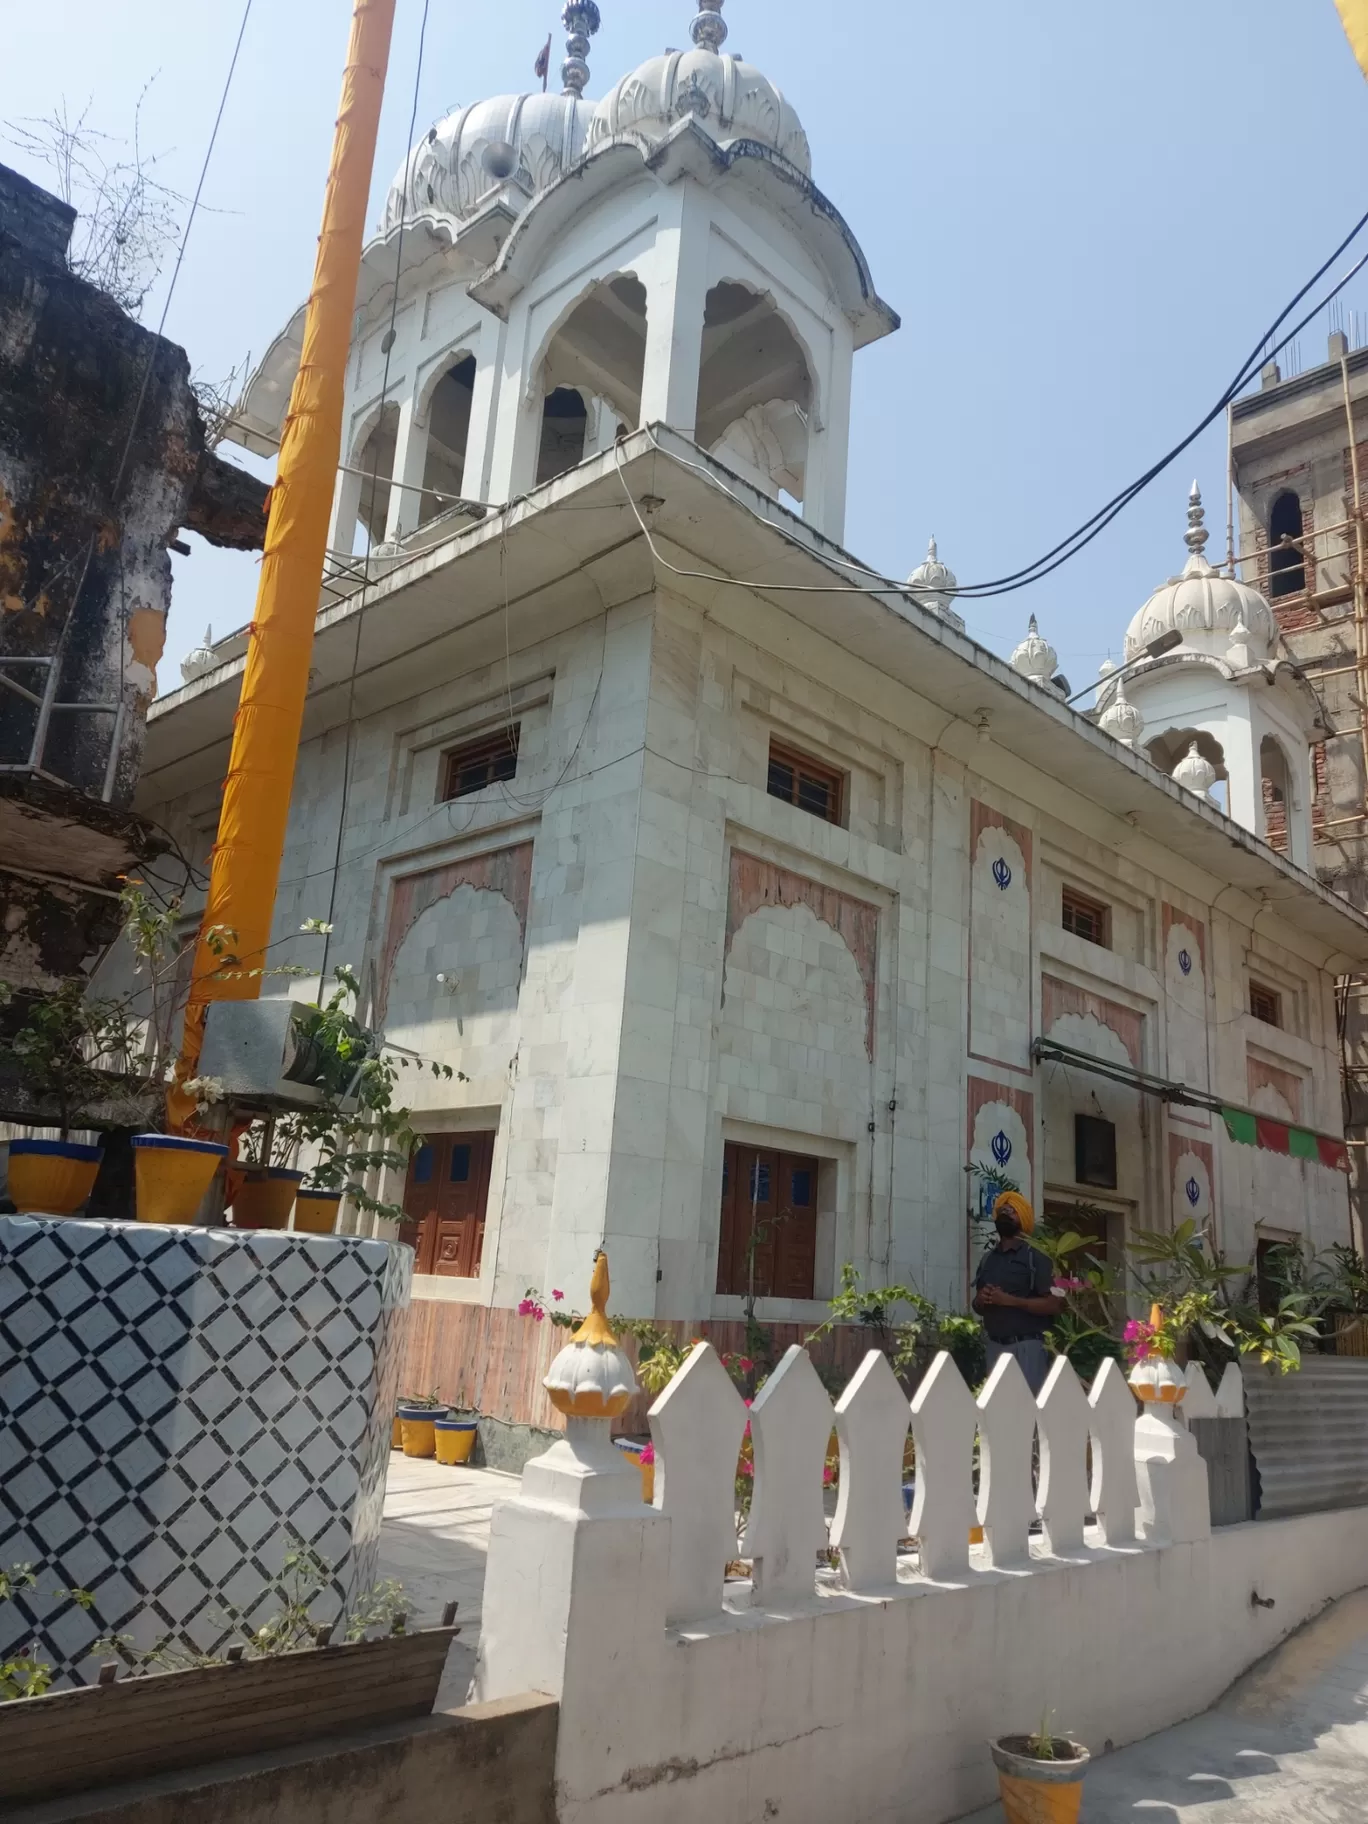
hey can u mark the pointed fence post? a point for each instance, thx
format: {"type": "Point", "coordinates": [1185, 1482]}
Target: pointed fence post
{"type": "Point", "coordinates": [1230, 1400]}
{"type": "Point", "coordinates": [872, 1417]}
{"type": "Point", "coordinates": [697, 1425]}
{"type": "Point", "coordinates": [791, 1423]}
{"type": "Point", "coordinates": [1062, 1497]}
{"type": "Point", "coordinates": [944, 1421]}
{"type": "Point", "coordinates": [1199, 1402]}
{"type": "Point", "coordinates": [1112, 1412]}
{"type": "Point", "coordinates": [1006, 1498]}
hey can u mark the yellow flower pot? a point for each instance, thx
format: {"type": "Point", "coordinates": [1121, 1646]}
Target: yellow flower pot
{"type": "Point", "coordinates": [315, 1212]}
{"type": "Point", "coordinates": [1039, 1792]}
{"type": "Point", "coordinates": [647, 1481]}
{"type": "Point", "coordinates": [420, 1429]}
{"type": "Point", "coordinates": [264, 1199]}
{"type": "Point", "coordinates": [455, 1440]}
{"type": "Point", "coordinates": [51, 1177]}
{"type": "Point", "coordinates": [397, 1433]}
{"type": "Point", "coordinates": [173, 1174]}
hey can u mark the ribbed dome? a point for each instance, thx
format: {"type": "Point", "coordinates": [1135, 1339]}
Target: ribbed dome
{"type": "Point", "coordinates": [534, 139]}
{"type": "Point", "coordinates": [1203, 605]}
{"type": "Point", "coordinates": [934, 585]}
{"type": "Point", "coordinates": [731, 100]}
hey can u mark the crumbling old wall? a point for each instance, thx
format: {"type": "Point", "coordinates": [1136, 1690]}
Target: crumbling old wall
{"type": "Point", "coordinates": [102, 462]}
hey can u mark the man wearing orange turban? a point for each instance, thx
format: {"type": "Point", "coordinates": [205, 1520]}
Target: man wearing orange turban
{"type": "Point", "coordinates": [1014, 1292]}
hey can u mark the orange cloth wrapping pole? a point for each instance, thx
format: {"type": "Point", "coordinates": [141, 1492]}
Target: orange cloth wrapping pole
{"type": "Point", "coordinates": [1354, 15]}
{"type": "Point", "coordinates": [245, 867]}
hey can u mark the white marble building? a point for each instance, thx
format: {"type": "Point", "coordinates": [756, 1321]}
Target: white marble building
{"type": "Point", "coordinates": [715, 863]}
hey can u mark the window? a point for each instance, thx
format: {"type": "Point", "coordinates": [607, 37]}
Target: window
{"type": "Point", "coordinates": [444, 1204]}
{"type": "Point", "coordinates": [1094, 1152]}
{"type": "Point", "coordinates": [1265, 1005]}
{"type": "Point", "coordinates": [480, 763]}
{"type": "Point", "coordinates": [565, 427]}
{"type": "Point", "coordinates": [1086, 918]}
{"type": "Point", "coordinates": [768, 1236]}
{"type": "Point", "coordinates": [1286, 565]}
{"type": "Point", "coordinates": [799, 779]}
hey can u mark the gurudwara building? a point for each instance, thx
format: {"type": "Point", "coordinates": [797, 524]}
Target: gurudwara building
{"type": "Point", "coordinates": [769, 921]}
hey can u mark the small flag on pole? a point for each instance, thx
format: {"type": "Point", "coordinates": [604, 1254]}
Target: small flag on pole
{"type": "Point", "coordinates": [542, 67]}
{"type": "Point", "coordinates": [1354, 14]}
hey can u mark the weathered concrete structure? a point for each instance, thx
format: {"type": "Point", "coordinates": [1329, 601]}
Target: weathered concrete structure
{"type": "Point", "coordinates": [102, 462]}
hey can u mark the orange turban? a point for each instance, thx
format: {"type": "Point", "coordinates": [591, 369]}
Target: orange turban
{"type": "Point", "coordinates": [1012, 1203]}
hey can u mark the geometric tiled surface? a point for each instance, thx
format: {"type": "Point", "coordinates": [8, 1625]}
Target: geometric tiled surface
{"type": "Point", "coordinates": [175, 1404]}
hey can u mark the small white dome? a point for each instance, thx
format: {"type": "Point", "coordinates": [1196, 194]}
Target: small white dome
{"type": "Point", "coordinates": [1195, 772]}
{"type": "Point", "coordinates": [1035, 658]}
{"type": "Point", "coordinates": [532, 139]}
{"type": "Point", "coordinates": [933, 584]}
{"type": "Point", "coordinates": [729, 99]}
{"type": "Point", "coordinates": [592, 1377]}
{"type": "Point", "coordinates": [1121, 719]}
{"type": "Point", "coordinates": [1202, 604]}
{"type": "Point", "coordinates": [200, 659]}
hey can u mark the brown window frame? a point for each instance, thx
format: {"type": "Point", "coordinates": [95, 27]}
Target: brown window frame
{"type": "Point", "coordinates": [1073, 904]}
{"type": "Point", "coordinates": [785, 1254]}
{"type": "Point", "coordinates": [1271, 998]}
{"type": "Point", "coordinates": [817, 771]}
{"type": "Point", "coordinates": [501, 746]}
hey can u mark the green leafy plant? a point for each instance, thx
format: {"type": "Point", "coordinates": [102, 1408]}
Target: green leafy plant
{"type": "Point", "coordinates": [24, 1674]}
{"type": "Point", "coordinates": [1278, 1338]}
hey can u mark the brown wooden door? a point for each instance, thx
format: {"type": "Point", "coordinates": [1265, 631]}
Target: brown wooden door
{"type": "Point", "coordinates": [772, 1196]}
{"type": "Point", "coordinates": [445, 1201]}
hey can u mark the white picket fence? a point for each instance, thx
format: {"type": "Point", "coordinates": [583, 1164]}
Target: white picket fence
{"type": "Point", "coordinates": [697, 1426]}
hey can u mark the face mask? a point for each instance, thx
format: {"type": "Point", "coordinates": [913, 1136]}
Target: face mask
{"type": "Point", "coordinates": [1007, 1227]}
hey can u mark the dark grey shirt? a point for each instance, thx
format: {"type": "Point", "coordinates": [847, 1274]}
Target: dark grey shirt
{"type": "Point", "coordinates": [1025, 1273]}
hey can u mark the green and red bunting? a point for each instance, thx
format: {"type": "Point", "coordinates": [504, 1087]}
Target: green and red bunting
{"type": "Point", "coordinates": [1281, 1137]}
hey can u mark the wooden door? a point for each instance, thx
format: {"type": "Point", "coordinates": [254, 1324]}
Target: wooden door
{"type": "Point", "coordinates": [445, 1201]}
{"type": "Point", "coordinates": [772, 1196]}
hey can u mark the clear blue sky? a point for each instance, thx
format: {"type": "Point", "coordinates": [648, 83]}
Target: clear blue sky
{"type": "Point", "coordinates": [1085, 212]}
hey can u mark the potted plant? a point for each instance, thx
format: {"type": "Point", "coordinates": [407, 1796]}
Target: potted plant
{"type": "Point", "coordinates": [455, 1439]}
{"type": "Point", "coordinates": [1040, 1776]}
{"type": "Point", "coordinates": [57, 1049]}
{"type": "Point", "coordinates": [418, 1416]}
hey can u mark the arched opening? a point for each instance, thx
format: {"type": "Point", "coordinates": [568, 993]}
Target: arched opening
{"type": "Point", "coordinates": [565, 425]}
{"type": "Point", "coordinates": [1286, 565]}
{"type": "Point", "coordinates": [755, 390]}
{"type": "Point", "coordinates": [599, 352]}
{"type": "Point", "coordinates": [448, 414]}
{"type": "Point", "coordinates": [1168, 749]}
{"type": "Point", "coordinates": [375, 462]}
{"type": "Point", "coordinates": [1275, 780]}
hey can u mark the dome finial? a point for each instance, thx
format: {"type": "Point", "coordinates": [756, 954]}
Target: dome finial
{"type": "Point", "coordinates": [1196, 536]}
{"type": "Point", "coordinates": [709, 29]}
{"type": "Point", "coordinates": [596, 1328]}
{"type": "Point", "coordinates": [581, 19]}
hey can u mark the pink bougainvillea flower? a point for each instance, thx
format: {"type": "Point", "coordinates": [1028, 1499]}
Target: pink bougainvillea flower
{"type": "Point", "coordinates": [648, 1454]}
{"type": "Point", "coordinates": [745, 1467]}
{"type": "Point", "coordinates": [558, 1296]}
{"type": "Point", "coordinates": [1071, 1285]}
{"type": "Point", "coordinates": [828, 1476]}
{"type": "Point", "coordinates": [526, 1308]}
{"type": "Point", "coordinates": [746, 1365]}
{"type": "Point", "coordinates": [1135, 1331]}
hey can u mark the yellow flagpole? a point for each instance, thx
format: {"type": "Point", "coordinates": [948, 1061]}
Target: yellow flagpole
{"type": "Point", "coordinates": [1354, 17]}
{"type": "Point", "coordinates": [245, 868]}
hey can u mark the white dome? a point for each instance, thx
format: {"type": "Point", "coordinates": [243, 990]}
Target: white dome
{"type": "Point", "coordinates": [532, 139]}
{"type": "Point", "coordinates": [1035, 658]}
{"type": "Point", "coordinates": [1203, 605]}
{"type": "Point", "coordinates": [1195, 772]}
{"type": "Point", "coordinates": [729, 99]}
{"type": "Point", "coordinates": [934, 585]}
{"type": "Point", "coordinates": [1121, 719]}
{"type": "Point", "coordinates": [199, 659]}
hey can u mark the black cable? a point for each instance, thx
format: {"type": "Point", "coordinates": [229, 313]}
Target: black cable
{"type": "Point", "coordinates": [1084, 534]}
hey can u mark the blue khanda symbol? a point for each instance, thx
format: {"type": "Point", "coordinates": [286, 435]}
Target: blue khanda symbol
{"type": "Point", "coordinates": [1002, 874]}
{"type": "Point", "coordinates": [1185, 962]}
{"type": "Point", "coordinates": [1002, 1147]}
{"type": "Point", "coordinates": [1194, 1192]}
